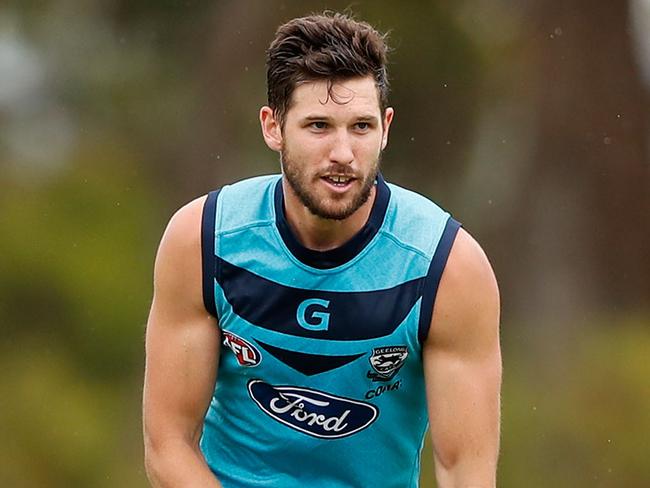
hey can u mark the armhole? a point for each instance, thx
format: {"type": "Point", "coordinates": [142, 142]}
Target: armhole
{"type": "Point", "coordinates": [432, 280]}
{"type": "Point", "coordinates": [208, 258]}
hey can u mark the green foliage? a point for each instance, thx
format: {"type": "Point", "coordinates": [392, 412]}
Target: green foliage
{"type": "Point", "coordinates": [579, 418]}
{"type": "Point", "coordinates": [61, 429]}
{"type": "Point", "coordinates": [79, 252]}
{"type": "Point", "coordinates": [576, 419]}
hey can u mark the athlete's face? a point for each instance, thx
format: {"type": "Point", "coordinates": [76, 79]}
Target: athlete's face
{"type": "Point", "coordinates": [330, 144]}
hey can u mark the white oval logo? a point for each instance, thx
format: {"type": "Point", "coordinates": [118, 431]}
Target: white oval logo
{"type": "Point", "coordinates": [312, 412]}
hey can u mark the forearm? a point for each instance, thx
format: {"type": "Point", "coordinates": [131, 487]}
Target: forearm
{"type": "Point", "coordinates": [175, 464]}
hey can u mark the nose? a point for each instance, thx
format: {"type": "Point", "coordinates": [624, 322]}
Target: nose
{"type": "Point", "coordinates": [341, 151]}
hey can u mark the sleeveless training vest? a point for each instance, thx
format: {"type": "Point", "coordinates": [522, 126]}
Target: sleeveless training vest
{"type": "Point", "coordinates": [320, 379]}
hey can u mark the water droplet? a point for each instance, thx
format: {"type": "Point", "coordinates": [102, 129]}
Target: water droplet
{"type": "Point", "coordinates": [607, 140]}
{"type": "Point", "coordinates": [490, 203]}
{"type": "Point", "coordinates": [558, 31]}
{"type": "Point", "coordinates": [534, 407]}
{"type": "Point", "coordinates": [412, 139]}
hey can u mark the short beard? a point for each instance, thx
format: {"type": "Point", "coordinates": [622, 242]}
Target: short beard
{"type": "Point", "coordinates": [316, 206]}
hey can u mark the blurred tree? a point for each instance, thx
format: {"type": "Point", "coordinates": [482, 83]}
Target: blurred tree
{"type": "Point", "coordinates": [582, 233]}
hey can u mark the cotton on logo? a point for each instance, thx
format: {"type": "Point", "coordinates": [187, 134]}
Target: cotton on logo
{"type": "Point", "coordinates": [246, 353]}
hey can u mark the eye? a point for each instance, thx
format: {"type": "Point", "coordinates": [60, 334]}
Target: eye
{"type": "Point", "coordinates": [362, 126]}
{"type": "Point", "coordinates": [318, 125]}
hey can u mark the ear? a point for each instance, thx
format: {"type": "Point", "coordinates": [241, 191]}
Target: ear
{"type": "Point", "coordinates": [388, 118]}
{"type": "Point", "coordinates": [271, 129]}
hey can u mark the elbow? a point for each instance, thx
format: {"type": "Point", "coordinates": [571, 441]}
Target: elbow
{"type": "Point", "coordinates": [455, 468]}
{"type": "Point", "coordinates": [157, 456]}
{"type": "Point", "coordinates": [166, 456]}
{"type": "Point", "coordinates": [445, 459]}
{"type": "Point", "coordinates": [152, 459]}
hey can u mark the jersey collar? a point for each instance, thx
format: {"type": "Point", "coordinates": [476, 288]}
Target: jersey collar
{"type": "Point", "coordinates": [340, 255]}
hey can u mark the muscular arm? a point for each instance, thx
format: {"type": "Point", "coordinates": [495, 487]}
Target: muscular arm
{"type": "Point", "coordinates": [462, 363]}
{"type": "Point", "coordinates": [182, 352]}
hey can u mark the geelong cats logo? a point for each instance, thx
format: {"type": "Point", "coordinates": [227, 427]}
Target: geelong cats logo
{"type": "Point", "coordinates": [312, 412]}
{"type": "Point", "coordinates": [386, 362]}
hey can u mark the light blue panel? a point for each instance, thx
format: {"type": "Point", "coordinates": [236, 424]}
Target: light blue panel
{"type": "Point", "coordinates": [261, 251]}
{"type": "Point", "coordinates": [405, 217]}
{"type": "Point", "coordinates": [242, 202]}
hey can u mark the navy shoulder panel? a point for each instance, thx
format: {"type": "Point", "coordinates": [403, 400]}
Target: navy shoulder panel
{"type": "Point", "coordinates": [434, 275]}
{"type": "Point", "coordinates": [208, 258]}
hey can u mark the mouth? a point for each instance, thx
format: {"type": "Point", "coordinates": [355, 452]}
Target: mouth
{"type": "Point", "coordinates": [338, 182]}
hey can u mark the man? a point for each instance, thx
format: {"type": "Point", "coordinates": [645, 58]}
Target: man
{"type": "Point", "coordinates": [307, 328]}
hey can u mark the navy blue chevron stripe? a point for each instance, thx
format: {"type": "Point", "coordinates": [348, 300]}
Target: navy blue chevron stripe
{"type": "Point", "coordinates": [352, 315]}
{"type": "Point", "coordinates": [305, 363]}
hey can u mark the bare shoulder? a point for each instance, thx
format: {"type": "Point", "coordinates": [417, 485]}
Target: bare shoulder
{"type": "Point", "coordinates": [184, 228]}
{"type": "Point", "coordinates": [178, 266]}
{"type": "Point", "coordinates": [466, 310]}
{"type": "Point", "coordinates": [468, 268]}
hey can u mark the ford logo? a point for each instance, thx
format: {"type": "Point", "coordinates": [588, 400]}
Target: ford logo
{"type": "Point", "coordinates": [312, 412]}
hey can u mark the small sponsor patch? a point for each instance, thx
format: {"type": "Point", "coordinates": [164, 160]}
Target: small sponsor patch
{"type": "Point", "coordinates": [381, 389]}
{"type": "Point", "coordinates": [386, 362]}
{"type": "Point", "coordinates": [312, 412]}
{"type": "Point", "coordinates": [245, 352]}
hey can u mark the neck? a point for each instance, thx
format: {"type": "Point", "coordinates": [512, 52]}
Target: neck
{"type": "Point", "coordinates": [317, 233]}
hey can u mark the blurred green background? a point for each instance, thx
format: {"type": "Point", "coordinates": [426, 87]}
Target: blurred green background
{"type": "Point", "coordinates": [528, 120]}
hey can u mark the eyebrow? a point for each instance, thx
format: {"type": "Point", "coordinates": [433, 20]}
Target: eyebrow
{"type": "Point", "coordinates": [361, 118]}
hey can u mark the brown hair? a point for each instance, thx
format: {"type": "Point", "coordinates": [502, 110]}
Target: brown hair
{"type": "Point", "coordinates": [328, 46]}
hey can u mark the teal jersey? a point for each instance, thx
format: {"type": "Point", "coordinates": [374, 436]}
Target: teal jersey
{"type": "Point", "coordinates": [320, 380]}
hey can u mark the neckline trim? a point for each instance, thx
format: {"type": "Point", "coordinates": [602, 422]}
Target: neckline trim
{"type": "Point", "coordinates": [344, 253]}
